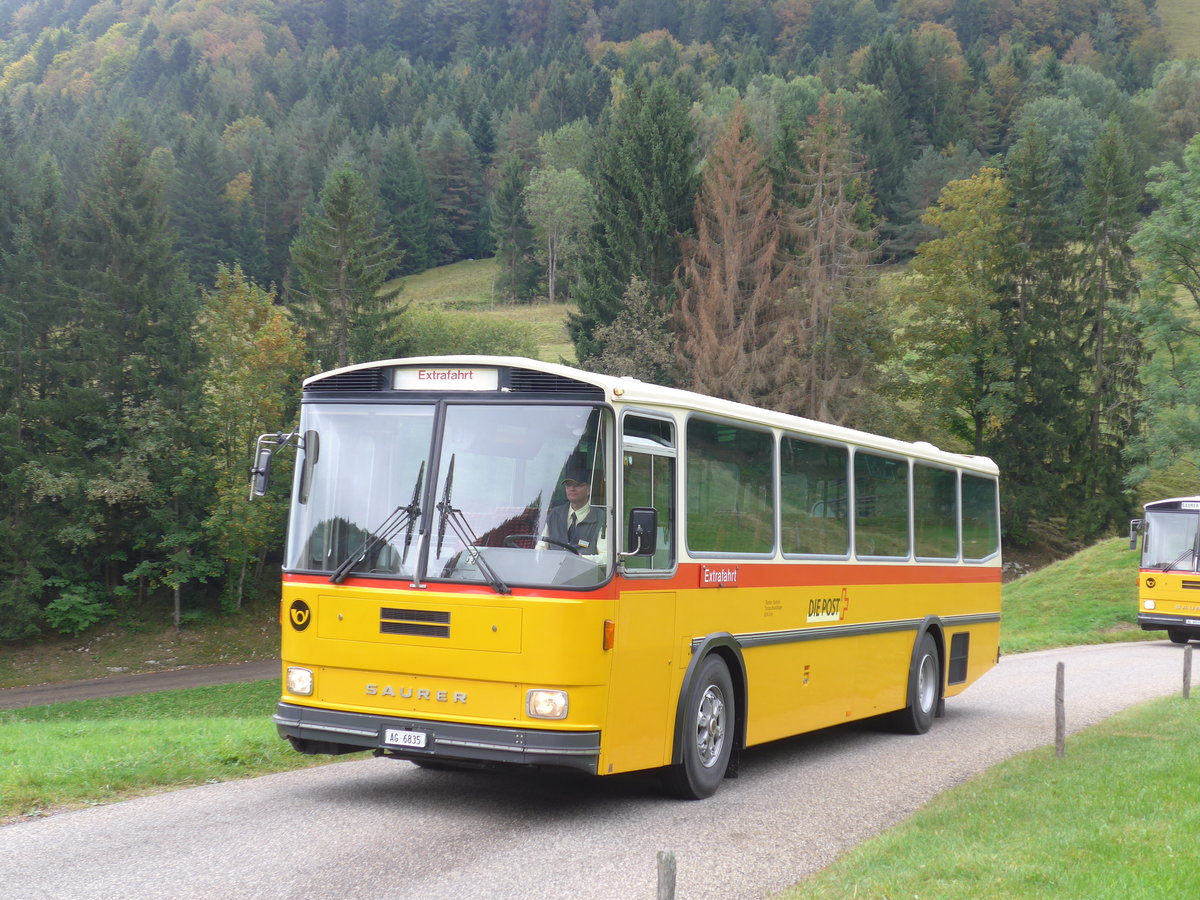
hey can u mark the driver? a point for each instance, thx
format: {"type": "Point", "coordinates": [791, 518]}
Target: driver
{"type": "Point", "coordinates": [576, 523]}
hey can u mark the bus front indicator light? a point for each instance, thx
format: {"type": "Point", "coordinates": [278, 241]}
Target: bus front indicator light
{"type": "Point", "coordinates": [546, 704]}
{"type": "Point", "coordinates": [299, 681]}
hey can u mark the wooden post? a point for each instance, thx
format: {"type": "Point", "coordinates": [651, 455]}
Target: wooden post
{"type": "Point", "coordinates": [1187, 671]}
{"type": "Point", "coordinates": [1060, 713]}
{"type": "Point", "coordinates": [666, 875]}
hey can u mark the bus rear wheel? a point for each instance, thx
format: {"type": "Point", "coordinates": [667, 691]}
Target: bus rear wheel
{"type": "Point", "coordinates": [708, 733]}
{"type": "Point", "coordinates": [924, 684]}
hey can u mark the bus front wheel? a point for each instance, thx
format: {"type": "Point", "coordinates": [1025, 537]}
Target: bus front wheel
{"type": "Point", "coordinates": [708, 733]}
{"type": "Point", "coordinates": [1178, 635]}
{"type": "Point", "coordinates": [924, 683]}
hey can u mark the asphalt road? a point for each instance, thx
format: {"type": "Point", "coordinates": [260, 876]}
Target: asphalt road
{"type": "Point", "coordinates": [383, 829]}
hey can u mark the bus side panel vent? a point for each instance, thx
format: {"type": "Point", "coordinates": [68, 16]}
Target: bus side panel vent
{"type": "Point", "coordinates": [959, 645]}
{"type": "Point", "coordinates": [414, 622]}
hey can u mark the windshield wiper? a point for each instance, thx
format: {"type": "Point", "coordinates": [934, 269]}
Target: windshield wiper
{"type": "Point", "coordinates": [400, 517]}
{"type": "Point", "coordinates": [1190, 551]}
{"type": "Point", "coordinates": [462, 530]}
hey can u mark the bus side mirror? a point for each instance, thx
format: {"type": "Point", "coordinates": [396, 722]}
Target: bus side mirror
{"type": "Point", "coordinates": [642, 534]}
{"type": "Point", "coordinates": [1135, 525]}
{"type": "Point", "coordinates": [260, 474]}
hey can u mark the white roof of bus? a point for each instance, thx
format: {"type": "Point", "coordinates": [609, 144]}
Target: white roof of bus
{"type": "Point", "coordinates": [1169, 501]}
{"type": "Point", "coordinates": [632, 391]}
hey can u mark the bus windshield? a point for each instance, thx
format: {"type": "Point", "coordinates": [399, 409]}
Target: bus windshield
{"type": "Point", "coordinates": [464, 493]}
{"type": "Point", "coordinates": [1171, 541]}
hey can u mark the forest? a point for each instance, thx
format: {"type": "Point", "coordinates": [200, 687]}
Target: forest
{"type": "Point", "coordinates": [971, 222]}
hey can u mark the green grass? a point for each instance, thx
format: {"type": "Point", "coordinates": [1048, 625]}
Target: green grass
{"type": "Point", "coordinates": [1116, 817]}
{"type": "Point", "coordinates": [468, 287]}
{"type": "Point", "coordinates": [67, 755]}
{"type": "Point", "coordinates": [1090, 598]}
{"type": "Point", "coordinates": [1181, 24]}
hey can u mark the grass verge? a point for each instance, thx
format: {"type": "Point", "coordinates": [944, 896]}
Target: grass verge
{"type": "Point", "coordinates": [1115, 818]}
{"type": "Point", "coordinates": [1089, 598]}
{"type": "Point", "coordinates": [67, 755]}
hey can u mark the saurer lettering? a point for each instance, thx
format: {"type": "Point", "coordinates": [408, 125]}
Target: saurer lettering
{"type": "Point", "coordinates": [410, 693]}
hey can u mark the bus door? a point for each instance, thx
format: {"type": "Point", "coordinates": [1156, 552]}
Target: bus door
{"type": "Point", "coordinates": [641, 708]}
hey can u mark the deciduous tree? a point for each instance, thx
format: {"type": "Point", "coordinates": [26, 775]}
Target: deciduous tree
{"type": "Point", "coordinates": [254, 363]}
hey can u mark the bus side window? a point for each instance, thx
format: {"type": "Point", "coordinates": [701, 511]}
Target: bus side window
{"type": "Point", "coordinates": [648, 475]}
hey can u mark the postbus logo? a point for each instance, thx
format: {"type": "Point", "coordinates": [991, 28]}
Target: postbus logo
{"type": "Point", "coordinates": [829, 609]}
{"type": "Point", "coordinates": [300, 615]}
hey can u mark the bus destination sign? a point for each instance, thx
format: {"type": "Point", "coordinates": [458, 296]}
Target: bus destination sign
{"type": "Point", "coordinates": [446, 378]}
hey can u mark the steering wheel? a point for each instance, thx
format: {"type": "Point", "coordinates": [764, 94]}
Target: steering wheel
{"type": "Point", "coordinates": [510, 541]}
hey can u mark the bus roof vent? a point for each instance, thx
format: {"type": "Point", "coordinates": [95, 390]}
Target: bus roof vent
{"type": "Point", "coordinates": [356, 380]}
{"type": "Point", "coordinates": [529, 381]}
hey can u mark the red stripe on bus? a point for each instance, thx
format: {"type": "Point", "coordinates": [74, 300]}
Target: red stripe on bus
{"type": "Point", "coordinates": [742, 574]}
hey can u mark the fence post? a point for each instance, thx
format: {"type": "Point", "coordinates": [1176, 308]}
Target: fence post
{"type": "Point", "coordinates": [1060, 713]}
{"type": "Point", "coordinates": [1187, 671]}
{"type": "Point", "coordinates": [666, 875]}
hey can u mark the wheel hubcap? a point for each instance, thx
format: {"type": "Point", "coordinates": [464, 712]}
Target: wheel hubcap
{"type": "Point", "coordinates": [926, 684]}
{"type": "Point", "coordinates": [710, 726]}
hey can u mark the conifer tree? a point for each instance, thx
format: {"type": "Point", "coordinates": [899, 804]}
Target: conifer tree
{"type": "Point", "coordinates": [729, 340]}
{"type": "Point", "coordinates": [1045, 328]}
{"type": "Point", "coordinates": [407, 210]}
{"type": "Point", "coordinates": [202, 221]}
{"type": "Point", "coordinates": [638, 342]}
{"type": "Point", "coordinates": [646, 186]}
{"type": "Point", "coordinates": [1107, 285]}
{"type": "Point", "coordinates": [833, 315]}
{"type": "Point", "coordinates": [513, 236]}
{"type": "Point", "coordinates": [456, 187]}
{"type": "Point", "coordinates": [343, 261]}
{"type": "Point", "coordinates": [34, 309]}
{"type": "Point", "coordinates": [125, 482]}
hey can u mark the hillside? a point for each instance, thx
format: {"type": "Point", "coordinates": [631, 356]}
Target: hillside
{"type": "Point", "coordinates": [199, 204]}
{"type": "Point", "coordinates": [1181, 24]}
{"type": "Point", "coordinates": [1087, 598]}
{"type": "Point", "coordinates": [469, 287]}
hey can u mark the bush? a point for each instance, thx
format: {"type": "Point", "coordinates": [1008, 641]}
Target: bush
{"type": "Point", "coordinates": [77, 607]}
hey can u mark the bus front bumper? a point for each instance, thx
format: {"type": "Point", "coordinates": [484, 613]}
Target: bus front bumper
{"type": "Point", "coordinates": [1160, 621]}
{"type": "Point", "coordinates": [334, 731]}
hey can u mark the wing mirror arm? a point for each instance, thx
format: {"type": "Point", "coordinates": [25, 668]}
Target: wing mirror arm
{"type": "Point", "coordinates": [641, 536]}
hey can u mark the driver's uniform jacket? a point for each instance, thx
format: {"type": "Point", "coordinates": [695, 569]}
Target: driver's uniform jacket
{"type": "Point", "coordinates": [589, 527]}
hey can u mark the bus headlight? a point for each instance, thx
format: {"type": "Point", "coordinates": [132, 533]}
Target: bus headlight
{"type": "Point", "coordinates": [1148, 604]}
{"type": "Point", "coordinates": [299, 681]}
{"type": "Point", "coordinates": [545, 704]}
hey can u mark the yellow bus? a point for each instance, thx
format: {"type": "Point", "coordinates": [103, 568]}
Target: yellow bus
{"type": "Point", "coordinates": [730, 576]}
{"type": "Point", "coordinates": [1169, 576]}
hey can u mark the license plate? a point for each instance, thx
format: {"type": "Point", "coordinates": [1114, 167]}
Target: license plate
{"type": "Point", "coordinates": [395, 737]}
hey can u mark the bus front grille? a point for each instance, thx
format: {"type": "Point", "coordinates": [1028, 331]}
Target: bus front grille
{"type": "Point", "coordinates": [414, 622]}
